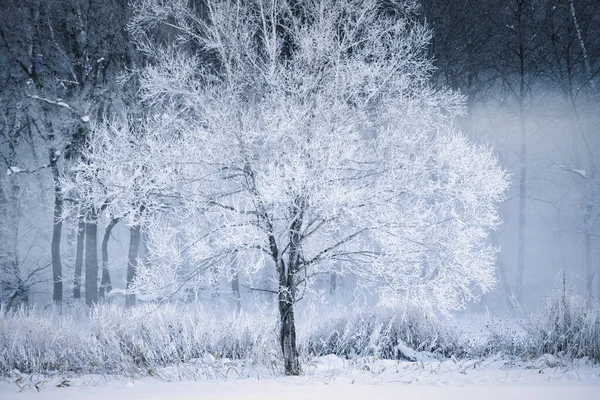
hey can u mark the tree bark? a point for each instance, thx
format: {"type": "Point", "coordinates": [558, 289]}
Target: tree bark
{"type": "Point", "coordinates": [132, 261]}
{"type": "Point", "coordinates": [287, 289]}
{"type": "Point", "coordinates": [288, 331]}
{"type": "Point", "coordinates": [78, 259]}
{"type": "Point", "coordinates": [105, 282]}
{"type": "Point", "coordinates": [286, 298]}
{"type": "Point", "coordinates": [57, 294]}
{"type": "Point", "coordinates": [91, 262]}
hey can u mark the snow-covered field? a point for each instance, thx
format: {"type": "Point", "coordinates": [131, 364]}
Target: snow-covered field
{"type": "Point", "coordinates": [332, 378]}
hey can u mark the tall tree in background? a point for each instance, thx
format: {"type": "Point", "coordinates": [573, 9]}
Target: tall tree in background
{"type": "Point", "coordinates": [520, 46]}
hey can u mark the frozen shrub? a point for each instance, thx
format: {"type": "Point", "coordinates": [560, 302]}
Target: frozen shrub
{"type": "Point", "coordinates": [383, 333]}
{"type": "Point", "coordinates": [114, 340]}
{"type": "Point", "coordinates": [567, 325]}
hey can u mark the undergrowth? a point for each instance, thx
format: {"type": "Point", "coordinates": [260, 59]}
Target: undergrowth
{"type": "Point", "coordinates": [113, 340]}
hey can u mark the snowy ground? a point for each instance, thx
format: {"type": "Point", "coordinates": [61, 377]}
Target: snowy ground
{"type": "Point", "coordinates": [331, 378]}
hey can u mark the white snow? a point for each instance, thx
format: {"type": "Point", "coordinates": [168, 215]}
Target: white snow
{"type": "Point", "coordinates": [333, 378]}
{"type": "Point", "coordinates": [13, 170]}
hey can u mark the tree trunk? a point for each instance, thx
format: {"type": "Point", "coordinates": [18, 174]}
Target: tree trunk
{"type": "Point", "coordinates": [522, 158]}
{"type": "Point", "coordinates": [287, 289]}
{"type": "Point", "coordinates": [57, 294]}
{"type": "Point", "coordinates": [332, 283]}
{"type": "Point", "coordinates": [235, 288]}
{"type": "Point", "coordinates": [589, 272]}
{"type": "Point", "coordinates": [288, 331]}
{"type": "Point", "coordinates": [78, 259]}
{"type": "Point", "coordinates": [10, 276]}
{"type": "Point", "coordinates": [91, 262]}
{"type": "Point", "coordinates": [522, 213]}
{"type": "Point", "coordinates": [336, 284]}
{"type": "Point", "coordinates": [588, 198]}
{"type": "Point", "coordinates": [145, 252]}
{"type": "Point", "coordinates": [506, 287]}
{"type": "Point", "coordinates": [132, 260]}
{"type": "Point", "coordinates": [105, 282]}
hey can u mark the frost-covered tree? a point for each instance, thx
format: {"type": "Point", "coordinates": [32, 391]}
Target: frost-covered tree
{"type": "Point", "coordinates": [303, 136]}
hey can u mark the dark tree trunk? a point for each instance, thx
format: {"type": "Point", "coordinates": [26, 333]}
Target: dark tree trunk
{"type": "Point", "coordinates": [589, 272]}
{"type": "Point", "coordinates": [91, 262]}
{"type": "Point", "coordinates": [287, 335]}
{"type": "Point", "coordinates": [590, 232]}
{"type": "Point", "coordinates": [588, 200]}
{"type": "Point", "coordinates": [336, 284]}
{"type": "Point", "coordinates": [522, 54]}
{"type": "Point", "coordinates": [145, 252]}
{"type": "Point", "coordinates": [132, 261]}
{"type": "Point", "coordinates": [11, 282]}
{"type": "Point", "coordinates": [333, 283]}
{"type": "Point", "coordinates": [78, 259]}
{"type": "Point", "coordinates": [287, 290]}
{"type": "Point", "coordinates": [57, 294]}
{"type": "Point", "coordinates": [235, 288]}
{"type": "Point", "coordinates": [105, 282]}
{"type": "Point", "coordinates": [522, 212]}
{"type": "Point", "coordinates": [286, 299]}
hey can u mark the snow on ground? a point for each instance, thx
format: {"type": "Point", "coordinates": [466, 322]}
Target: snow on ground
{"type": "Point", "coordinates": [332, 378]}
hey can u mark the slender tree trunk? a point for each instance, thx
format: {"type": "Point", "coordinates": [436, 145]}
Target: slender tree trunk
{"type": "Point", "coordinates": [589, 272]}
{"type": "Point", "coordinates": [235, 288]}
{"type": "Point", "coordinates": [522, 159]}
{"type": "Point", "coordinates": [5, 261]}
{"type": "Point", "coordinates": [333, 278]}
{"type": "Point", "coordinates": [145, 252]}
{"type": "Point", "coordinates": [105, 282]}
{"type": "Point", "coordinates": [12, 284]}
{"type": "Point", "coordinates": [506, 287]}
{"type": "Point", "coordinates": [522, 213]}
{"type": "Point", "coordinates": [57, 294]}
{"type": "Point", "coordinates": [588, 226]}
{"type": "Point", "coordinates": [79, 259]}
{"type": "Point", "coordinates": [588, 198]}
{"type": "Point", "coordinates": [132, 261]}
{"type": "Point", "coordinates": [336, 284]}
{"type": "Point", "coordinates": [91, 262]}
